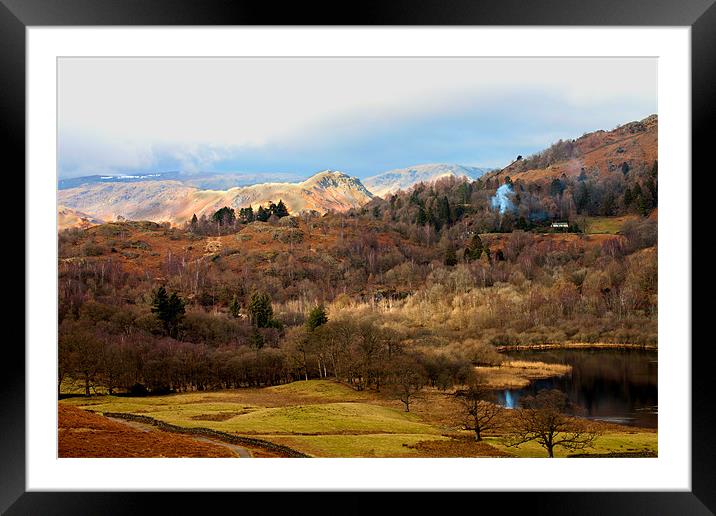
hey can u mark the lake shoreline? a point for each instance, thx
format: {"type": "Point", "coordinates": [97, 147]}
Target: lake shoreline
{"type": "Point", "coordinates": [576, 345]}
{"type": "Point", "coordinates": [611, 381]}
{"type": "Point", "coordinates": [518, 374]}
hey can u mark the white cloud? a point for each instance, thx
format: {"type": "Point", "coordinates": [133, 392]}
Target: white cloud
{"type": "Point", "coordinates": [200, 110]}
{"type": "Point", "coordinates": [253, 101]}
{"type": "Point", "coordinates": [85, 152]}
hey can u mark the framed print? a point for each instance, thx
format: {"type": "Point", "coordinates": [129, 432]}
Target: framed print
{"type": "Point", "coordinates": [427, 248]}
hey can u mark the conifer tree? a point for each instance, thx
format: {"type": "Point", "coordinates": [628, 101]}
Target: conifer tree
{"type": "Point", "coordinates": [262, 214]}
{"type": "Point", "coordinates": [281, 210]}
{"type": "Point", "coordinates": [235, 306]}
{"type": "Point", "coordinates": [256, 341]}
{"type": "Point", "coordinates": [247, 214]}
{"type": "Point", "coordinates": [260, 310]}
{"type": "Point", "coordinates": [225, 216]}
{"type": "Point", "coordinates": [169, 309]}
{"type": "Point", "coordinates": [422, 218]}
{"type": "Point", "coordinates": [474, 249]}
{"type": "Point", "coordinates": [628, 198]}
{"type": "Point", "coordinates": [444, 210]}
{"type": "Point", "coordinates": [316, 318]}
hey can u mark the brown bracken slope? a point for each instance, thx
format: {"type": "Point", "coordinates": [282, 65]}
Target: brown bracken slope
{"type": "Point", "coordinates": [597, 153]}
{"type": "Point", "coordinates": [83, 434]}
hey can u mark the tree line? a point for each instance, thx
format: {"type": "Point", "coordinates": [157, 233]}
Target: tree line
{"type": "Point", "coordinates": [168, 350]}
{"type": "Point", "coordinates": [225, 220]}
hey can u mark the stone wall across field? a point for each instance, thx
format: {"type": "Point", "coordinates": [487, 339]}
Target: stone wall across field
{"type": "Point", "coordinates": [208, 432]}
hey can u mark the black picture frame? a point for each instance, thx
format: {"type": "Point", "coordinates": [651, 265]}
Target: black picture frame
{"type": "Point", "coordinates": [17, 15]}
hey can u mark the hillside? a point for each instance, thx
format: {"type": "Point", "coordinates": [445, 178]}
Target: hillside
{"type": "Point", "coordinates": [142, 200]}
{"type": "Point", "coordinates": [403, 178]}
{"type": "Point", "coordinates": [145, 248]}
{"type": "Point", "coordinates": [348, 324]}
{"type": "Point", "coordinates": [176, 202]}
{"type": "Point", "coordinates": [628, 147]}
{"type": "Point", "coordinates": [311, 249]}
{"type": "Point", "coordinates": [69, 218]}
{"type": "Point", "coordinates": [111, 438]}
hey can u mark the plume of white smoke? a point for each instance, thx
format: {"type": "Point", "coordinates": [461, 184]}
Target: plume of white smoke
{"type": "Point", "coordinates": [502, 199]}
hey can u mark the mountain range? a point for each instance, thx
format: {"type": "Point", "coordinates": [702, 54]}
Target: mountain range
{"type": "Point", "coordinates": [169, 197]}
{"type": "Point", "coordinates": [176, 202]}
{"type": "Point", "coordinates": [175, 198]}
{"type": "Point", "coordinates": [403, 178]}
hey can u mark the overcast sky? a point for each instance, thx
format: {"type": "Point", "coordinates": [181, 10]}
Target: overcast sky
{"type": "Point", "coordinates": [360, 116]}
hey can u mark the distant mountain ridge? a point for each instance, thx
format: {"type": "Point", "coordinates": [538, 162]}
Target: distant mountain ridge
{"type": "Point", "coordinates": [201, 180]}
{"type": "Point", "coordinates": [403, 178]}
{"type": "Point", "coordinates": [176, 202]}
{"type": "Point", "coordinates": [172, 197]}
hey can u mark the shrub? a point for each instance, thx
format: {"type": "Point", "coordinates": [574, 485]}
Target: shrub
{"type": "Point", "coordinates": [93, 249]}
{"type": "Point", "coordinates": [138, 390]}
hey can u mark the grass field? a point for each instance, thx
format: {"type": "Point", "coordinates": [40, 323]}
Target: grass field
{"type": "Point", "coordinates": [319, 418]}
{"type": "Point", "coordinates": [368, 445]}
{"type": "Point", "coordinates": [607, 443]}
{"type": "Point", "coordinates": [606, 225]}
{"type": "Point", "coordinates": [326, 419]}
{"type": "Point", "coordinates": [329, 418]}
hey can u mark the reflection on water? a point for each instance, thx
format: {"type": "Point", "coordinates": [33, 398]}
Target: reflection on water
{"type": "Point", "coordinates": [619, 386]}
{"type": "Point", "coordinates": [509, 401]}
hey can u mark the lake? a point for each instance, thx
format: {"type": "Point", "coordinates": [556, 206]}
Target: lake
{"type": "Point", "coordinates": [619, 386]}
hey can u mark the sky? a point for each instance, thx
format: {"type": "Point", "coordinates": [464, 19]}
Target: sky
{"type": "Point", "coordinates": [292, 117]}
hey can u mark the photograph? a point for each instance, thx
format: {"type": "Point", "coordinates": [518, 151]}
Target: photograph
{"type": "Point", "coordinates": [357, 257]}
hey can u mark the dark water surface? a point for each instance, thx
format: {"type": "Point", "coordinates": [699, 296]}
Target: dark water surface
{"type": "Point", "coordinates": [611, 385]}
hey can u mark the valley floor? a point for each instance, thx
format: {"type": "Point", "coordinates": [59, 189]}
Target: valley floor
{"type": "Point", "coordinates": [320, 418]}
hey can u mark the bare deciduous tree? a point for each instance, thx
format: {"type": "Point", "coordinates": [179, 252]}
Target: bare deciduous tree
{"type": "Point", "coordinates": [406, 379]}
{"type": "Point", "coordinates": [478, 410]}
{"type": "Point", "coordinates": [542, 419]}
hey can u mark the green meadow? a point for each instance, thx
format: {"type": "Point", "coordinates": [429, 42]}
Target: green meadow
{"type": "Point", "coordinates": [323, 418]}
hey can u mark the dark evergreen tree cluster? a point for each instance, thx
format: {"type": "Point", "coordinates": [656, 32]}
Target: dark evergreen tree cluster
{"type": "Point", "coordinates": [316, 317]}
{"type": "Point", "coordinates": [279, 210]}
{"type": "Point", "coordinates": [224, 216]}
{"type": "Point", "coordinates": [247, 215]}
{"type": "Point", "coordinates": [169, 309]}
{"type": "Point", "coordinates": [261, 311]}
{"type": "Point", "coordinates": [225, 221]}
